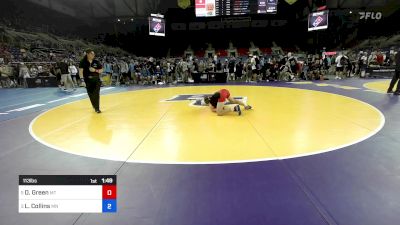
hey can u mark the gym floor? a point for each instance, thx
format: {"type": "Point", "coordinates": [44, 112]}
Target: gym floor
{"type": "Point", "coordinates": [308, 153]}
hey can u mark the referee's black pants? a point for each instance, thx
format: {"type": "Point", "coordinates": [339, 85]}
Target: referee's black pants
{"type": "Point", "coordinates": [93, 90]}
{"type": "Point", "coordinates": [395, 78]}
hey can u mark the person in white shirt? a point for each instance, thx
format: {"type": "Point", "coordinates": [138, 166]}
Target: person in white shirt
{"type": "Point", "coordinates": [253, 64]}
{"type": "Point", "coordinates": [73, 71]}
{"type": "Point", "coordinates": [169, 72]}
{"type": "Point", "coordinates": [125, 71]}
{"type": "Point", "coordinates": [5, 76]}
{"type": "Point", "coordinates": [23, 74]}
{"type": "Point", "coordinates": [185, 71]}
{"type": "Point", "coordinates": [372, 58]}
{"type": "Point", "coordinates": [33, 71]}
{"type": "Point", "coordinates": [363, 64]}
{"type": "Point", "coordinates": [40, 69]}
{"type": "Point", "coordinates": [339, 66]}
{"type": "Point", "coordinates": [24, 71]}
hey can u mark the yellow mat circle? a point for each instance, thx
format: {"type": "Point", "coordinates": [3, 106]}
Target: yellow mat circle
{"type": "Point", "coordinates": [379, 86]}
{"type": "Point", "coordinates": [137, 126]}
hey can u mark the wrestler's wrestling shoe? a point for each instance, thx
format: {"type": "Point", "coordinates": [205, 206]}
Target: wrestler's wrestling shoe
{"type": "Point", "coordinates": [248, 107]}
{"type": "Point", "coordinates": [238, 110]}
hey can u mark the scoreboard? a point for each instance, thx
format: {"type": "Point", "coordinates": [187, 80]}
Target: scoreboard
{"type": "Point", "coordinates": [157, 25]}
{"type": "Point", "coordinates": [67, 194]}
{"type": "Point", "coordinates": [209, 8]}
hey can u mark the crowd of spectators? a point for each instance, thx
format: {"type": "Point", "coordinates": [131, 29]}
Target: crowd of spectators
{"type": "Point", "coordinates": [130, 70]}
{"type": "Point", "coordinates": [358, 63]}
{"type": "Point", "coordinates": [254, 68]}
{"type": "Point", "coordinates": [41, 60]}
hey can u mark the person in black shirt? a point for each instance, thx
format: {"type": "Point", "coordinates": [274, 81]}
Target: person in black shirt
{"type": "Point", "coordinates": [219, 67]}
{"type": "Point", "coordinates": [89, 71]}
{"type": "Point", "coordinates": [239, 70]}
{"type": "Point", "coordinates": [293, 65]}
{"type": "Point", "coordinates": [231, 66]}
{"type": "Point", "coordinates": [396, 76]}
{"type": "Point", "coordinates": [66, 79]}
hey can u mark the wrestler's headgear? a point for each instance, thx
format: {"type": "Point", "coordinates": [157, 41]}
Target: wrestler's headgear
{"type": "Point", "coordinates": [207, 99]}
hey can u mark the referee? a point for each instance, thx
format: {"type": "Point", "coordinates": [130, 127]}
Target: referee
{"type": "Point", "coordinates": [89, 71]}
{"type": "Point", "coordinates": [396, 77]}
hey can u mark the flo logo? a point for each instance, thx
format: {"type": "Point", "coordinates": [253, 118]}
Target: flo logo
{"type": "Point", "coordinates": [318, 21]}
{"type": "Point", "coordinates": [196, 100]}
{"type": "Point", "coordinates": [370, 15]}
{"type": "Point", "coordinates": [157, 27]}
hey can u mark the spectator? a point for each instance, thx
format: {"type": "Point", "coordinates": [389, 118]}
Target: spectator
{"type": "Point", "coordinates": [132, 71]}
{"type": "Point", "coordinates": [66, 80]}
{"type": "Point", "coordinates": [363, 64]}
{"type": "Point", "coordinates": [292, 64]}
{"type": "Point", "coordinates": [380, 58]}
{"type": "Point", "coordinates": [340, 61]}
{"type": "Point", "coordinates": [372, 59]}
{"type": "Point", "coordinates": [231, 70]}
{"type": "Point", "coordinates": [6, 77]}
{"type": "Point", "coordinates": [239, 70]}
{"type": "Point", "coordinates": [396, 77]}
{"type": "Point", "coordinates": [248, 71]}
{"type": "Point", "coordinates": [33, 71]}
{"type": "Point", "coordinates": [23, 74]}
{"type": "Point", "coordinates": [124, 71]}
{"type": "Point", "coordinates": [74, 73]}
{"type": "Point", "coordinates": [116, 73]}
{"type": "Point", "coordinates": [185, 71]}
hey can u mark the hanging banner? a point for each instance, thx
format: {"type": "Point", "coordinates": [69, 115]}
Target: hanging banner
{"type": "Point", "coordinates": [183, 3]}
{"type": "Point", "coordinates": [291, 2]}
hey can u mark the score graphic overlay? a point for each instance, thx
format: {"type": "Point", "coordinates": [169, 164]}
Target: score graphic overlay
{"type": "Point", "coordinates": [318, 20]}
{"type": "Point", "coordinates": [157, 25]}
{"type": "Point", "coordinates": [67, 194]}
{"type": "Point", "coordinates": [272, 6]}
{"type": "Point", "coordinates": [267, 6]}
{"type": "Point", "coordinates": [210, 8]}
{"type": "Point", "coordinates": [205, 8]}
